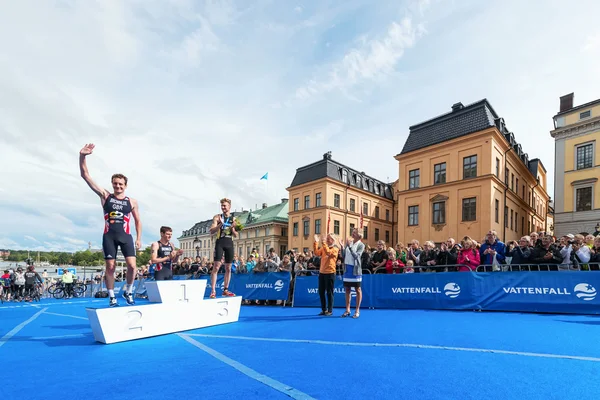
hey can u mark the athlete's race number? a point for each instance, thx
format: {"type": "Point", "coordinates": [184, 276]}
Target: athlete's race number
{"type": "Point", "coordinates": [133, 321]}
{"type": "Point", "coordinates": [223, 311]}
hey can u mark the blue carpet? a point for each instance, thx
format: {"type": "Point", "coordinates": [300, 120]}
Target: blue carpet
{"type": "Point", "coordinates": [305, 353]}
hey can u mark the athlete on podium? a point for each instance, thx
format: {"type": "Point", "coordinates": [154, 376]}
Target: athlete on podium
{"type": "Point", "coordinates": [164, 255]}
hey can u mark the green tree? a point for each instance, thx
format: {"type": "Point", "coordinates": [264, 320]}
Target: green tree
{"type": "Point", "coordinates": [144, 256]}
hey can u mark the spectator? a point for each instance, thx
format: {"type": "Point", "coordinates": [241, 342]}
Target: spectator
{"type": "Point", "coordinates": [595, 255]}
{"type": "Point", "coordinates": [492, 252]}
{"type": "Point", "coordinates": [413, 253]}
{"type": "Point", "coordinates": [448, 255]}
{"type": "Point", "coordinates": [401, 253]}
{"type": "Point", "coordinates": [393, 265]}
{"type": "Point", "coordinates": [520, 253]}
{"type": "Point", "coordinates": [379, 257]}
{"type": "Point", "coordinates": [428, 257]}
{"type": "Point", "coordinates": [67, 280]}
{"type": "Point", "coordinates": [547, 256]}
{"type": "Point", "coordinates": [468, 255]}
{"type": "Point", "coordinates": [272, 261]}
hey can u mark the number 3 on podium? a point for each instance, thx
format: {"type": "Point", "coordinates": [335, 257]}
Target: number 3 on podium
{"type": "Point", "coordinates": [223, 311]}
{"type": "Point", "coordinates": [132, 321]}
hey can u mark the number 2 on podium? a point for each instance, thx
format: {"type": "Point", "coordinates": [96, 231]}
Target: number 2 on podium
{"type": "Point", "coordinates": [132, 320]}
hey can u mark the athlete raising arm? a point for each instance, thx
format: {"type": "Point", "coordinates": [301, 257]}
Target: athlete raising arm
{"type": "Point", "coordinates": [118, 210]}
{"type": "Point", "coordinates": [223, 226]}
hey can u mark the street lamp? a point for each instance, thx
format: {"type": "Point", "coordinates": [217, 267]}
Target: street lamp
{"type": "Point", "coordinates": [196, 240]}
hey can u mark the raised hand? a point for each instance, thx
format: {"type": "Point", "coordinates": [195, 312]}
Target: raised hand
{"type": "Point", "coordinates": [87, 149]}
{"type": "Point", "coordinates": [317, 238]}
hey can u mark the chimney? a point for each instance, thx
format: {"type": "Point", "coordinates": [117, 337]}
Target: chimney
{"type": "Point", "coordinates": [457, 106]}
{"type": "Point", "coordinates": [327, 156]}
{"type": "Point", "coordinates": [264, 205]}
{"type": "Point", "coordinates": [566, 102]}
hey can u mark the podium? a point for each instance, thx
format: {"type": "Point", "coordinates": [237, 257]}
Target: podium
{"type": "Point", "coordinates": [175, 306]}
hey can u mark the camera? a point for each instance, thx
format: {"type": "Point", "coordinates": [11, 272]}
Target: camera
{"type": "Point", "coordinates": [572, 241]}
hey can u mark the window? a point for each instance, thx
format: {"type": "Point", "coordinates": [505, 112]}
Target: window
{"type": "Point", "coordinates": [439, 212]}
{"type": "Point", "coordinates": [413, 215]}
{"type": "Point", "coordinates": [365, 209]}
{"type": "Point", "coordinates": [516, 221]}
{"type": "Point", "coordinates": [511, 219]}
{"type": "Point", "coordinates": [439, 173]}
{"type": "Point", "coordinates": [585, 114]}
{"type": "Point", "coordinates": [376, 212]}
{"type": "Point", "coordinates": [469, 167]}
{"type": "Point", "coordinates": [306, 202]}
{"type": "Point", "coordinates": [366, 232]}
{"type": "Point", "coordinates": [336, 200]}
{"type": "Point", "coordinates": [469, 209]}
{"type": "Point", "coordinates": [318, 200]}
{"type": "Point", "coordinates": [505, 217]}
{"type": "Point", "coordinates": [358, 181]}
{"type": "Point", "coordinates": [317, 226]}
{"type": "Point", "coordinates": [517, 185]}
{"type": "Point", "coordinates": [344, 176]}
{"type": "Point", "coordinates": [336, 227]}
{"type": "Point", "coordinates": [295, 229]}
{"type": "Point", "coordinates": [522, 225]}
{"type": "Point", "coordinates": [413, 179]}
{"type": "Point", "coordinates": [506, 172]}
{"type": "Point", "coordinates": [352, 205]}
{"type": "Point", "coordinates": [523, 192]}
{"type": "Point", "coordinates": [387, 215]}
{"type": "Point", "coordinates": [387, 236]}
{"type": "Point", "coordinates": [497, 167]}
{"type": "Point", "coordinates": [351, 228]}
{"type": "Point", "coordinates": [267, 231]}
{"type": "Point", "coordinates": [376, 234]}
{"type": "Point", "coordinates": [583, 199]}
{"type": "Point", "coordinates": [585, 155]}
{"type": "Point", "coordinates": [496, 210]}
{"type": "Point", "coordinates": [284, 232]}
{"type": "Point", "coordinates": [512, 182]}
{"type": "Point", "coordinates": [306, 230]}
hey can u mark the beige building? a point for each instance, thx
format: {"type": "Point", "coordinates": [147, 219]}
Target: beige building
{"type": "Point", "coordinates": [462, 174]}
{"type": "Point", "coordinates": [577, 166]}
{"type": "Point", "coordinates": [327, 196]}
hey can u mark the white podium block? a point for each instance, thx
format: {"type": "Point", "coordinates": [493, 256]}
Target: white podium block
{"type": "Point", "coordinates": [179, 310]}
{"type": "Point", "coordinates": [188, 291]}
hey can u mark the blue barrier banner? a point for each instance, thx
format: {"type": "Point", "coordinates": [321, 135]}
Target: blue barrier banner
{"type": "Point", "coordinates": [59, 271]}
{"type": "Point", "coordinates": [260, 286]}
{"type": "Point", "coordinates": [559, 292]}
{"type": "Point", "coordinates": [306, 293]}
{"type": "Point", "coordinates": [444, 290]}
{"type": "Point", "coordinates": [554, 291]}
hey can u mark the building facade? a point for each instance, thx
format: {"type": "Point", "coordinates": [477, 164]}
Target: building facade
{"type": "Point", "coordinates": [462, 174]}
{"type": "Point", "coordinates": [327, 196]}
{"type": "Point", "coordinates": [263, 228]}
{"type": "Point", "coordinates": [577, 166]}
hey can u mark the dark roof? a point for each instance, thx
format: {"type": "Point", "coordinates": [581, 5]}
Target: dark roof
{"type": "Point", "coordinates": [461, 121]}
{"type": "Point", "coordinates": [570, 110]}
{"type": "Point", "coordinates": [328, 168]}
{"type": "Point", "coordinates": [534, 165]}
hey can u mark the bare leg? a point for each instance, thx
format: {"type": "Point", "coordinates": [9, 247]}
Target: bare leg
{"type": "Point", "coordinates": [358, 298]}
{"type": "Point", "coordinates": [131, 272]}
{"type": "Point", "coordinates": [213, 275]}
{"type": "Point", "coordinates": [348, 292]}
{"type": "Point", "coordinates": [227, 277]}
{"type": "Point", "coordinates": [109, 275]}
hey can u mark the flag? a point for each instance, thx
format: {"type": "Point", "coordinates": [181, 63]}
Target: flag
{"type": "Point", "coordinates": [265, 176]}
{"type": "Point", "coordinates": [361, 220]}
{"type": "Point", "coordinates": [328, 221]}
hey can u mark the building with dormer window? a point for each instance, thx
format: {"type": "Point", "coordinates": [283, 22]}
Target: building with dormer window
{"type": "Point", "coordinates": [327, 196]}
{"type": "Point", "coordinates": [462, 174]}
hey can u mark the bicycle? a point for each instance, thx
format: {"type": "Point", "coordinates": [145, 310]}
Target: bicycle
{"type": "Point", "coordinates": [57, 290]}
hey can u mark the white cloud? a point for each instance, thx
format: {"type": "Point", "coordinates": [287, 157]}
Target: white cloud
{"type": "Point", "coordinates": [592, 43]}
{"type": "Point", "coordinates": [30, 238]}
{"type": "Point", "coordinates": [196, 101]}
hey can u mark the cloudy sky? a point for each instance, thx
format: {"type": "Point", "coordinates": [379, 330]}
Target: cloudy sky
{"type": "Point", "coordinates": [196, 100]}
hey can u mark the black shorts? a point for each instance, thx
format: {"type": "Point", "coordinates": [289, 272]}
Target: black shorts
{"type": "Point", "coordinates": [165, 274]}
{"type": "Point", "coordinates": [352, 284]}
{"type": "Point", "coordinates": [112, 241]}
{"type": "Point", "coordinates": [224, 246]}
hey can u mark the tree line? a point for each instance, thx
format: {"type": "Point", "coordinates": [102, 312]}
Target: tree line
{"type": "Point", "coordinates": [79, 258]}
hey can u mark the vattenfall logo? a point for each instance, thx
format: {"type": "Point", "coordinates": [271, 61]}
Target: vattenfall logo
{"type": "Point", "coordinates": [278, 285]}
{"type": "Point", "coordinates": [451, 290]}
{"type": "Point", "coordinates": [338, 290]}
{"type": "Point", "coordinates": [583, 291]}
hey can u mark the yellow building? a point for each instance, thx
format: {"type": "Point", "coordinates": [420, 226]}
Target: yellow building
{"type": "Point", "coordinates": [330, 191]}
{"type": "Point", "coordinates": [577, 167]}
{"type": "Point", "coordinates": [462, 174]}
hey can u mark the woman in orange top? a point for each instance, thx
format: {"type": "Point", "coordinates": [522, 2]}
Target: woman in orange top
{"type": "Point", "coordinates": [328, 253]}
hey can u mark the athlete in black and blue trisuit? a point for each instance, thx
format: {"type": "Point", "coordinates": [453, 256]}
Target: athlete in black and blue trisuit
{"type": "Point", "coordinates": [118, 210]}
{"type": "Point", "coordinates": [164, 255]}
{"type": "Point", "coordinates": [224, 226]}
